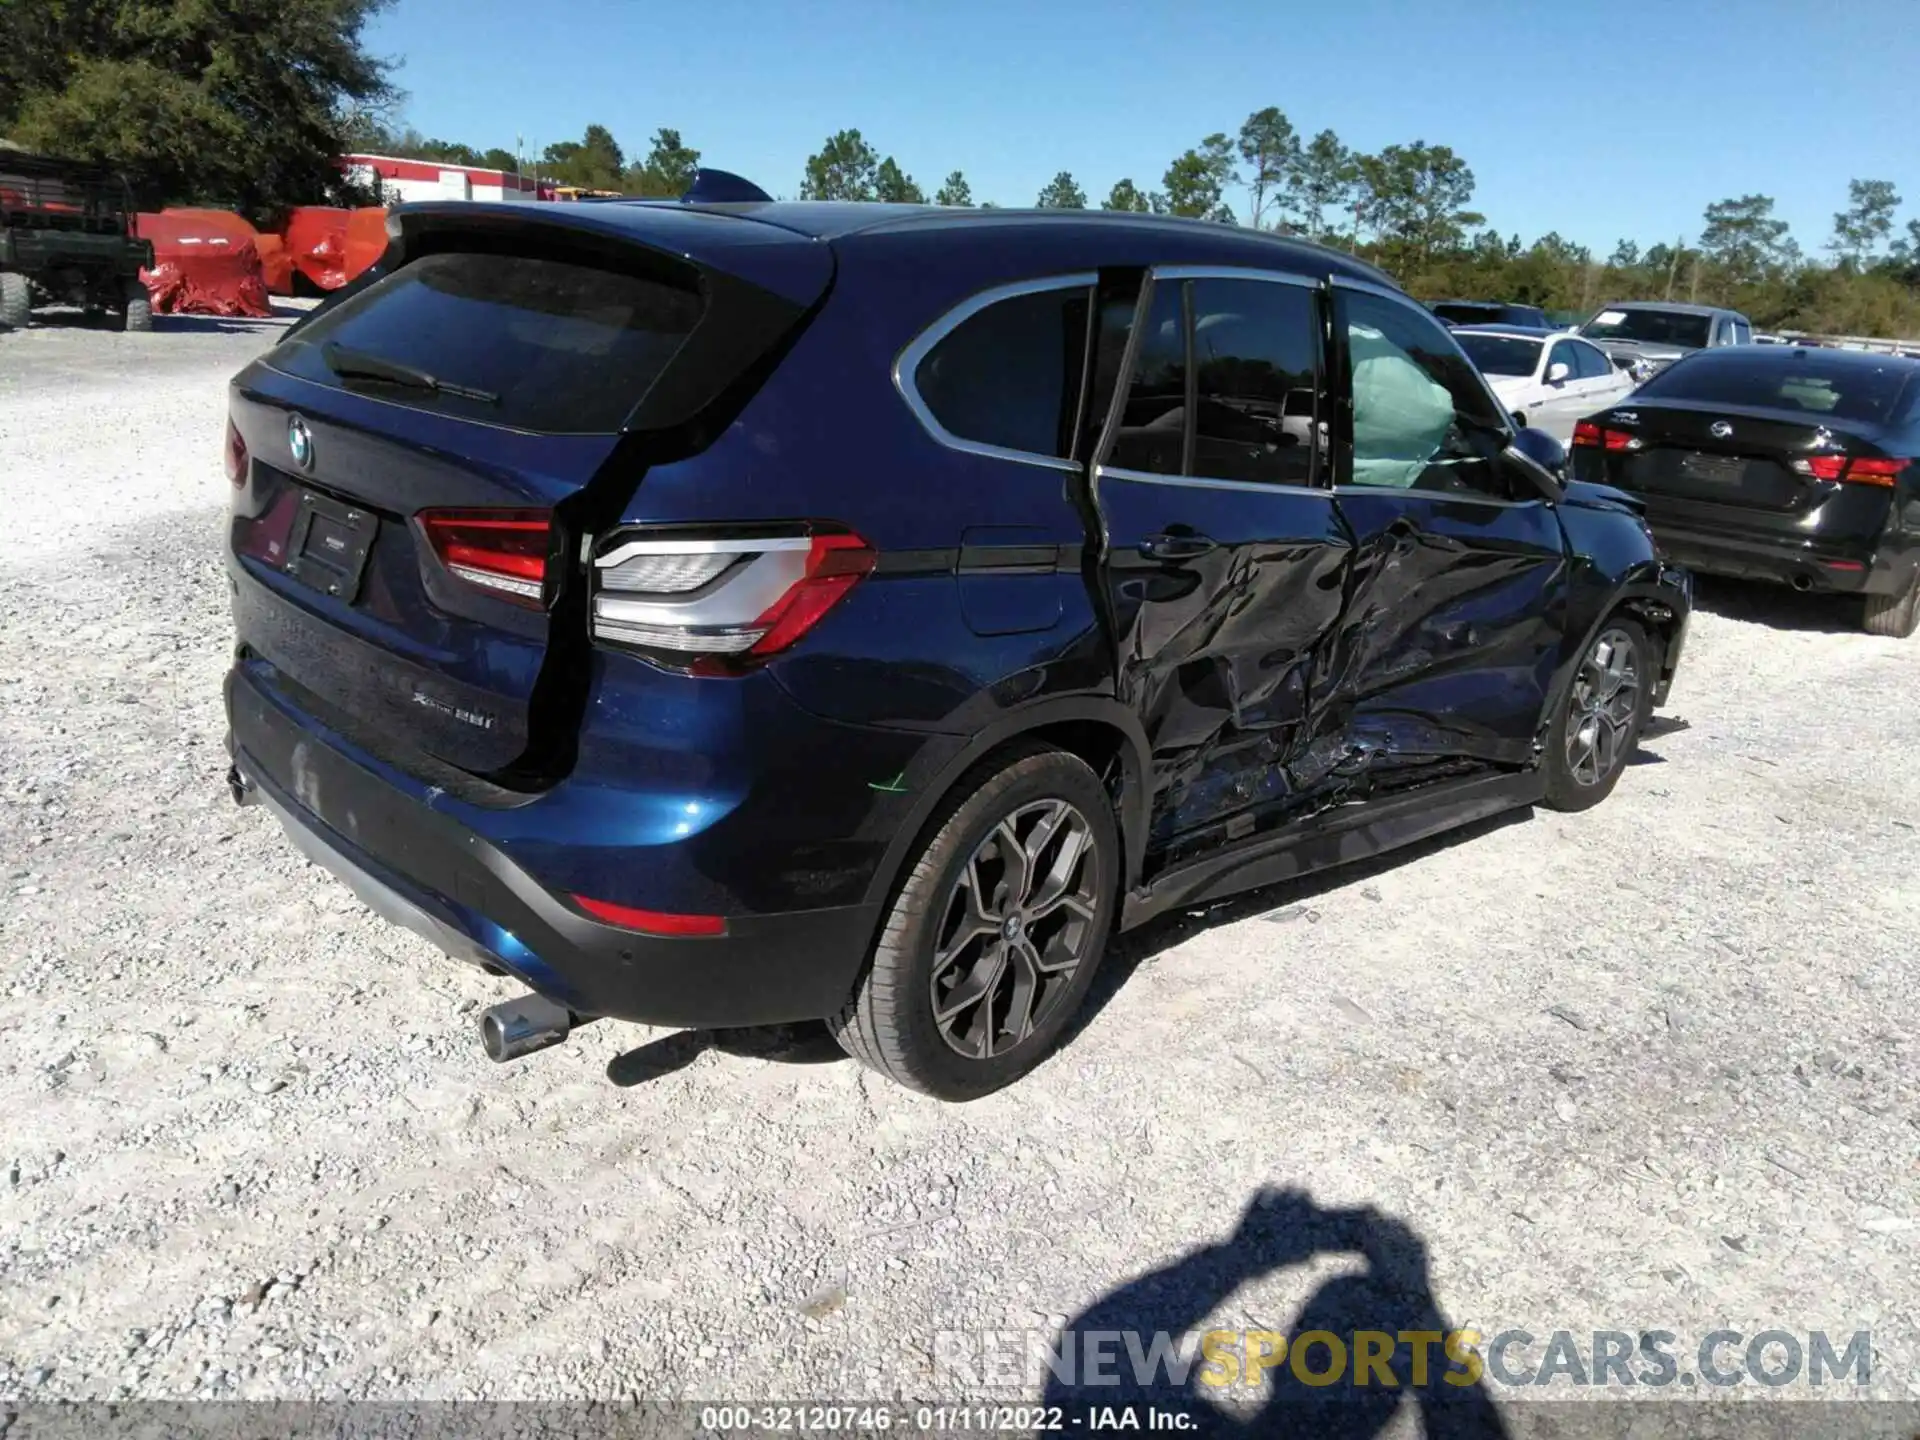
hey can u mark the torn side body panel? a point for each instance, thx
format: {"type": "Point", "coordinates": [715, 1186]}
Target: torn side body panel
{"type": "Point", "coordinates": [1450, 639]}
{"type": "Point", "coordinates": [1217, 649]}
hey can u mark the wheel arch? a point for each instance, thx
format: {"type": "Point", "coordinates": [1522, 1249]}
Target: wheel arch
{"type": "Point", "coordinates": [1654, 602]}
{"type": "Point", "coordinates": [1103, 732]}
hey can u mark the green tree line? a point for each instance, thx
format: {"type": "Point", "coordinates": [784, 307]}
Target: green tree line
{"type": "Point", "coordinates": [248, 104]}
{"type": "Point", "coordinates": [1407, 208]}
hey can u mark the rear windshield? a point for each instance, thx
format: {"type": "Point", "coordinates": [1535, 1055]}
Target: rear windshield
{"type": "Point", "coordinates": [541, 345]}
{"type": "Point", "coordinates": [1500, 354]}
{"type": "Point", "coordinates": [1654, 327]}
{"type": "Point", "coordinates": [1800, 381]}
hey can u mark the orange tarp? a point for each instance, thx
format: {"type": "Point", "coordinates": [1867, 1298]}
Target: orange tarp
{"type": "Point", "coordinates": [204, 263]}
{"type": "Point", "coordinates": [366, 239]}
{"type": "Point", "coordinates": [275, 262]}
{"type": "Point", "coordinates": [316, 237]}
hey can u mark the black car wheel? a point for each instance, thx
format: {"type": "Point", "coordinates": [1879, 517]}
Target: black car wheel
{"type": "Point", "coordinates": [1896, 615]}
{"type": "Point", "coordinates": [995, 934]}
{"type": "Point", "coordinates": [16, 301]}
{"type": "Point", "coordinates": [1592, 738]}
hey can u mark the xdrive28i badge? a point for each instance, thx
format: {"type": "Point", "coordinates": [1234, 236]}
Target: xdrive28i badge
{"type": "Point", "coordinates": [300, 442]}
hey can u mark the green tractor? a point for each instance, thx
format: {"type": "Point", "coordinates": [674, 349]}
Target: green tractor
{"type": "Point", "coordinates": [67, 237]}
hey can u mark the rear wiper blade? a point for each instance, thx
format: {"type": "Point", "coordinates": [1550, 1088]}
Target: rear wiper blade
{"type": "Point", "coordinates": [358, 365]}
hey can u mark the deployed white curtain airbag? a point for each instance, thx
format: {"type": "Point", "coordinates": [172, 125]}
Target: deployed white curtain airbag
{"type": "Point", "coordinates": [1400, 415]}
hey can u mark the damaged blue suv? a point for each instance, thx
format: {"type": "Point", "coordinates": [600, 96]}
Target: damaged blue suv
{"type": "Point", "coordinates": [715, 613]}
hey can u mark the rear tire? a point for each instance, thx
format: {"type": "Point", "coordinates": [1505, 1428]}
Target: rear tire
{"type": "Point", "coordinates": [1896, 616]}
{"type": "Point", "coordinates": [137, 317]}
{"type": "Point", "coordinates": [1607, 705]}
{"type": "Point", "coordinates": [16, 301]}
{"type": "Point", "coordinates": [995, 933]}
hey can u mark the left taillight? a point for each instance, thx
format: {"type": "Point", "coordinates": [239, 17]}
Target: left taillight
{"type": "Point", "coordinates": [722, 604]}
{"type": "Point", "coordinates": [236, 455]}
{"type": "Point", "coordinates": [503, 552]}
{"type": "Point", "coordinates": [1589, 436]}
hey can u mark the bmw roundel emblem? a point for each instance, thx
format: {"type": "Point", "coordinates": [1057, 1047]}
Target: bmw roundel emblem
{"type": "Point", "coordinates": [300, 442]}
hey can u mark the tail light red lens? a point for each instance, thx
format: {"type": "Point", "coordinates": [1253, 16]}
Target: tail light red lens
{"type": "Point", "coordinates": [835, 563]}
{"type": "Point", "coordinates": [651, 922]}
{"type": "Point", "coordinates": [503, 552]}
{"type": "Point", "coordinates": [235, 455]}
{"type": "Point", "coordinates": [1589, 436]}
{"type": "Point", "coordinates": [1863, 470]}
{"type": "Point", "coordinates": [1876, 470]}
{"type": "Point", "coordinates": [722, 604]}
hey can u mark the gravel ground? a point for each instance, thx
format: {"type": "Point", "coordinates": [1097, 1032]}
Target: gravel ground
{"type": "Point", "coordinates": [1648, 1067]}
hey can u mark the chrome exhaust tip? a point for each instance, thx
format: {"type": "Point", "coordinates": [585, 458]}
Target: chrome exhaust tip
{"type": "Point", "coordinates": [519, 1027]}
{"type": "Point", "coordinates": [1803, 582]}
{"type": "Point", "coordinates": [239, 787]}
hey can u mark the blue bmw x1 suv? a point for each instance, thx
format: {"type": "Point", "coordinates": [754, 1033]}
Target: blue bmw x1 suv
{"type": "Point", "coordinates": [737, 612]}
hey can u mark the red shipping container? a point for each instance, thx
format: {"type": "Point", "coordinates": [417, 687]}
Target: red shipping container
{"type": "Point", "coordinates": [316, 237]}
{"type": "Point", "coordinates": [204, 263]}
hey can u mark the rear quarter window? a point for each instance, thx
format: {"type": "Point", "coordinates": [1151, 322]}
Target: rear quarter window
{"type": "Point", "coordinates": [539, 344]}
{"type": "Point", "coordinates": [1009, 375]}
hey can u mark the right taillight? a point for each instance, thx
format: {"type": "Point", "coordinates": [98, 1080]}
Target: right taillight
{"type": "Point", "coordinates": [236, 455]}
{"type": "Point", "coordinates": [1855, 470]}
{"type": "Point", "coordinates": [1587, 435]}
{"type": "Point", "coordinates": [719, 604]}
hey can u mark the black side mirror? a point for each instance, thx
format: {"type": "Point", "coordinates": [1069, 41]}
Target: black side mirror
{"type": "Point", "coordinates": [1543, 458]}
{"type": "Point", "coordinates": [1541, 448]}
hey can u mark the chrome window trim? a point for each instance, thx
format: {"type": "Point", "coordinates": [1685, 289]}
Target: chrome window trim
{"type": "Point", "coordinates": [1233, 272]}
{"type": "Point", "coordinates": [908, 362]}
{"type": "Point", "coordinates": [1347, 282]}
{"type": "Point", "coordinates": [1202, 482]}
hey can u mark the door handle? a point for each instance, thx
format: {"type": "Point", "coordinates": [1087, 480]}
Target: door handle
{"type": "Point", "coordinates": [1176, 547]}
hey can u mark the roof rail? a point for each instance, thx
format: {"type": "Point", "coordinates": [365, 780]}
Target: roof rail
{"type": "Point", "coordinates": [721, 187]}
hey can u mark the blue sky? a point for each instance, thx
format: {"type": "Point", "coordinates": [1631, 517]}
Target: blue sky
{"type": "Point", "coordinates": [1597, 120]}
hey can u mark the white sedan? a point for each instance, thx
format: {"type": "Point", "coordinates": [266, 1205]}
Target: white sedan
{"type": "Point", "coordinates": [1548, 379]}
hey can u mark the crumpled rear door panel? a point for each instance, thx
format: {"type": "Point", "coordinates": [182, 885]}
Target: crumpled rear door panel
{"type": "Point", "coordinates": [1217, 652]}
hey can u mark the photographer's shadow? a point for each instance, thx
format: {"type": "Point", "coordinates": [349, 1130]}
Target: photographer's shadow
{"type": "Point", "coordinates": [1394, 1295]}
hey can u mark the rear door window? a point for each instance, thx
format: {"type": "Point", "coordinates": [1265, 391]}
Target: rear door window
{"type": "Point", "coordinates": [532, 344]}
{"type": "Point", "coordinates": [1256, 374]}
{"type": "Point", "coordinates": [1153, 417]}
{"type": "Point", "coordinates": [1009, 375]}
{"type": "Point", "coordinates": [1226, 384]}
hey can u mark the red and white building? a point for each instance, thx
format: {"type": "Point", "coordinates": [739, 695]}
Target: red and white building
{"type": "Point", "coordinates": [402, 180]}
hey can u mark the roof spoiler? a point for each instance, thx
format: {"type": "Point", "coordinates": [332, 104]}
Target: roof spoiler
{"type": "Point", "coordinates": [722, 187]}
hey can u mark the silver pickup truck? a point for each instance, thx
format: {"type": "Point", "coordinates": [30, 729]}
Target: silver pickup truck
{"type": "Point", "coordinates": [1646, 336]}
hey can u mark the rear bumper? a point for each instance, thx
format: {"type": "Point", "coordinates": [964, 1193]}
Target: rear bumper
{"type": "Point", "coordinates": [1801, 561]}
{"type": "Point", "coordinates": [424, 870]}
